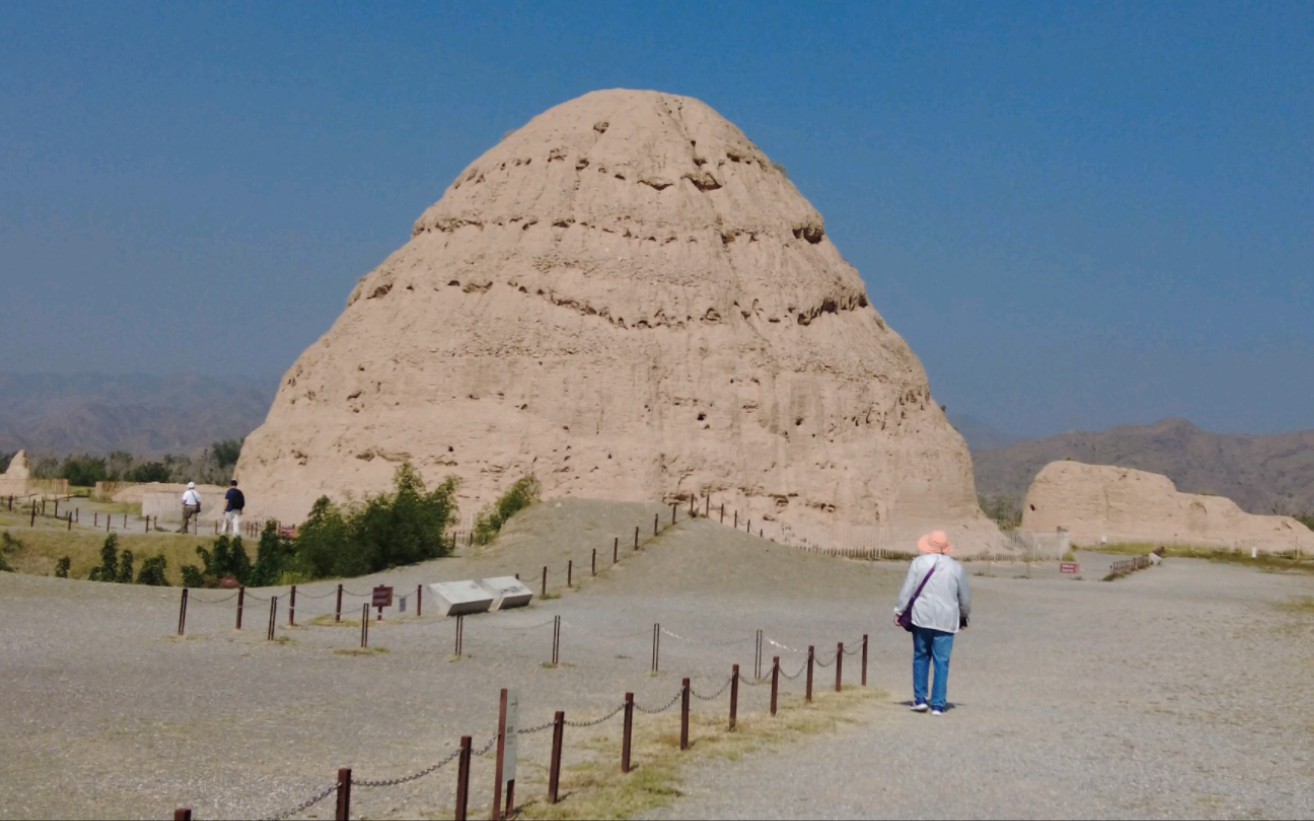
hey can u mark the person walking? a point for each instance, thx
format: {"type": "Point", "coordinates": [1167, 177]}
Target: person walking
{"type": "Point", "coordinates": [936, 593]}
{"type": "Point", "coordinates": [234, 501]}
{"type": "Point", "coordinates": [191, 502]}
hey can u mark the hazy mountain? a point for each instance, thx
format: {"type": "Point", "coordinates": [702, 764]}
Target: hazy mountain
{"type": "Point", "coordinates": [143, 414]}
{"type": "Point", "coordinates": [980, 434]}
{"type": "Point", "coordinates": [1262, 474]}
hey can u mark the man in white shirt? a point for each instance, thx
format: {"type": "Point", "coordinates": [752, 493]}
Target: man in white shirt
{"type": "Point", "coordinates": [191, 502]}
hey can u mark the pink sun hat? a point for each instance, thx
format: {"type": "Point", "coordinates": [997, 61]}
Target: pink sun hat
{"type": "Point", "coordinates": [937, 541]}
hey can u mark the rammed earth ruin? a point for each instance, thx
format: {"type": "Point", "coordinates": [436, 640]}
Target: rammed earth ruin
{"type": "Point", "coordinates": [627, 299]}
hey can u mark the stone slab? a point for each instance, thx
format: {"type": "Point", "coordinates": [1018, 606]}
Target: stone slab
{"type": "Point", "coordinates": [508, 592]}
{"type": "Point", "coordinates": [461, 598]}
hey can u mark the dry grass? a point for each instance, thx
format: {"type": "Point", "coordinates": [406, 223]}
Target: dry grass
{"type": "Point", "coordinates": [41, 547]}
{"type": "Point", "coordinates": [596, 788]}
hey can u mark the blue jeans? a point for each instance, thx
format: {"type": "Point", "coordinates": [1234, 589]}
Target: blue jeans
{"type": "Point", "coordinates": [931, 645]}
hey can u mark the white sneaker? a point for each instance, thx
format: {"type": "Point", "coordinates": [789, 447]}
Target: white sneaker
{"type": "Point", "coordinates": [920, 708]}
{"type": "Point", "coordinates": [937, 712]}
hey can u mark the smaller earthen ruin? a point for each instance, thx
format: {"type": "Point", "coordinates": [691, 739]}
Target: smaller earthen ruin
{"type": "Point", "coordinates": [1096, 503]}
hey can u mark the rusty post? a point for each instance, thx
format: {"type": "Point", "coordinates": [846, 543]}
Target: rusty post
{"type": "Point", "coordinates": [570, 573]}
{"type": "Point", "coordinates": [748, 528]}
{"type": "Point", "coordinates": [734, 696]}
{"type": "Point", "coordinates": [656, 646]}
{"type": "Point", "coordinates": [109, 520]}
{"type": "Point", "coordinates": [273, 617]}
{"type": "Point", "coordinates": [460, 632]}
{"type": "Point", "coordinates": [636, 538]}
{"type": "Point", "coordinates": [337, 611]}
{"type": "Point", "coordinates": [554, 769]}
{"type": "Point", "coordinates": [182, 814]}
{"type": "Point", "coordinates": [593, 568]}
{"type": "Point", "coordinates": [501, 756]}
{"type": "Point", "coordinates": [684, 714]}
{"type": "Point", "coordinates": [757, 657]}
{"type": "Point", "coordinates": [673, 506]}
{"type": "Point", "coordinates": [419, 600]}
{"type": "Point", "coordinates": [344, 794]}
{"type": "Point", "coordinates": [70, 521]}
{"type": "Point", "coordinates": [692, 511]}
{"type": "Point", "coordinates": [775, 682]}
{"type": "Point", "coordinates": [812, 655]}
{"type": "Point", "coordinates": [125, 517]}
{"type": "Point", "coordinates": [627, 733]}
{"type": "Point", "coordinates": [463, 778]}
{"type": "Point", "coordinates": [32, 521]}
{"type": "Point", "coordinates": [736, 520]}
{"type": "Point", "coordinates": [510, 810]}
{"type": "Point", "coordinates": [708, 507]}
{"type": "Point", "coordinates": [241, 602]}
{"type": "Point", "coordinates": [292, 608]}
{"type": "Point", "coordinates": [723, 513]}
{"type": "Point", "coordinates": [148, 524]}
{"type": "Point", "coordinates": [365, 625]}
{"type": "Point", "coordinates": [864, 659]}
{"type": "Point", "coordinates": [182, 613]}
{"type": "Point", "coordinates": [615, 548]}
{"type": "Point", "coordinates": [57, 508]}
{"type": "Point", "coordinates": [839, 667]}
{"type": "Point", "coordinates": [556, 640]}
{"type": "Point", "coordinates": [545, 581]}
{"type": "Point", "coordinates": [656, 521]}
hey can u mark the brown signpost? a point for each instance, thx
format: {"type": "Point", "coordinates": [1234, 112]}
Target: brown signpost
{"type": "Point", "coordinates": [1069, 567]}
{"type": "Point", "coordinates": [382, 599]}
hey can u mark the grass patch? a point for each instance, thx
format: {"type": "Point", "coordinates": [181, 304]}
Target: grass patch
{"type": "Point", "coordinates": [1302, 605]}
{"type": "Point", "coordinates": [360, 651]}
{"type": "Point", "coordinates": [596, 788]}
{"type": "Point", "coordinates": [43, 545]}
{"type": "Point", "coordinates": [1225, 555]}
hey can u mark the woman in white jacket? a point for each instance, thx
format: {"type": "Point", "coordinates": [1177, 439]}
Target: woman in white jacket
{"type": "Point", "coordinates": [939, 610]}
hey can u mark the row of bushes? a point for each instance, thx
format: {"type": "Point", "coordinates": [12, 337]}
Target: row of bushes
{"type": "Point", "coordinates": [406, 526]}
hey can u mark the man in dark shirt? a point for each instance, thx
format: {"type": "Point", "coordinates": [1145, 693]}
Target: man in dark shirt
{"type": "Point", "coordinates": [233, 510]}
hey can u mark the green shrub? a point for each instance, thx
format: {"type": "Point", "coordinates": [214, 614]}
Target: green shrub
{"type": "Point", "coordinates": [273, 554]}
{"type": "Point", "coordinates": [228, 559]}
{"type": "Point", "coordinates": [8, 544]}
{"type": "Point", "coordinates": [62, 567]}
{"type": "Point", "coordinates": [152, 571]}
{"type": "Point", "coordinates": [521, 495]}
{"type": "Point", "coordinates": [404, 528]}
{"type": "Point", "coordinates": [125, 568]}
{"type": "Point", "coordinates": [108, 570]}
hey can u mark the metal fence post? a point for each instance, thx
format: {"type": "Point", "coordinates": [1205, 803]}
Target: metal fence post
{"type": "Point", "coordinates": [864, 659]}
{"type": "Point", "coordinates": [241, 600]}
{"type": "Point", "coordinates": [554, 768]}
{"type": "Point", "coordinates": [775, 682]}
{"type": "Point", "coordinates": [463, 779]}
{"type": "Point", "coordinates": [627, 733]}
{"type": "Point", "coordinates": [684, 714]}
{"type": "Point", "coordinates": [344, 794]}
{"type": "Point", "coordinates": [811, 657]}
{"type": "Point", "coordinates": [734, 696]}
{"type": "Point", "coordinates": [182, 612]}
{"type": "Point", "coordinates": [839, 667]}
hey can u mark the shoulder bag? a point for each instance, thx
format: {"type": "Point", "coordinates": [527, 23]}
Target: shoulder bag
{"type": "Point", "coordinates": [905, 618]}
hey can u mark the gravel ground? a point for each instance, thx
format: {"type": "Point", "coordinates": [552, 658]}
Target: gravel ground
{"type": "Point", "coordinates": [1178, 692]}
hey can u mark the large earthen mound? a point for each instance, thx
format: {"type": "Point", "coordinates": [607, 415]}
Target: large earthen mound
{"type": "Point", "coordinates": [627, 299]}
{"type": "Point", "coordinates": [1095, 502]}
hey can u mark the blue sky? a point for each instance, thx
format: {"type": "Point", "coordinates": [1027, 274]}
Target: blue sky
{"type": "Point", "coordinates": [1079, 215]}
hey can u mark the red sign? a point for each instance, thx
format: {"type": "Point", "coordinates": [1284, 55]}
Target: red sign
{"type": "Point", "coordinates": [382, 596]}
{"type": "Point", "coordinates": [1069, 567]}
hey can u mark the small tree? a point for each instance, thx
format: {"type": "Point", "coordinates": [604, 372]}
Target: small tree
{"type": "Point", "coordinates": [489, 523]}
{"type": "Point", "coordinates": [108, 570]}
{"type": "Point", "coordinates": [125, 568]}
{"type": "Point", "coordinates": [273, 555]}
{"type": "Point", "coordinates": [321, 540]}
{"type": "Point", "coordinates": [152, 571]}
{"type": "Point", "coordinates": [62, 567]}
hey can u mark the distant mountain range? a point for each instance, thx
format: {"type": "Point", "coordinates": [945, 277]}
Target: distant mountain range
{"type": "Point", "coordinates": [142, 414]}
{"type": "Point", "coordinates": [1262, 474]}
{"type": "Point", "coordinates": [149, 415]}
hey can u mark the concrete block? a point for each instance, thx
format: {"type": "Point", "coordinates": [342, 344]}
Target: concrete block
{"type": "Point", "coordinates": [461, 598]}
{"type": "Point", "coordinates": [508, 592]}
